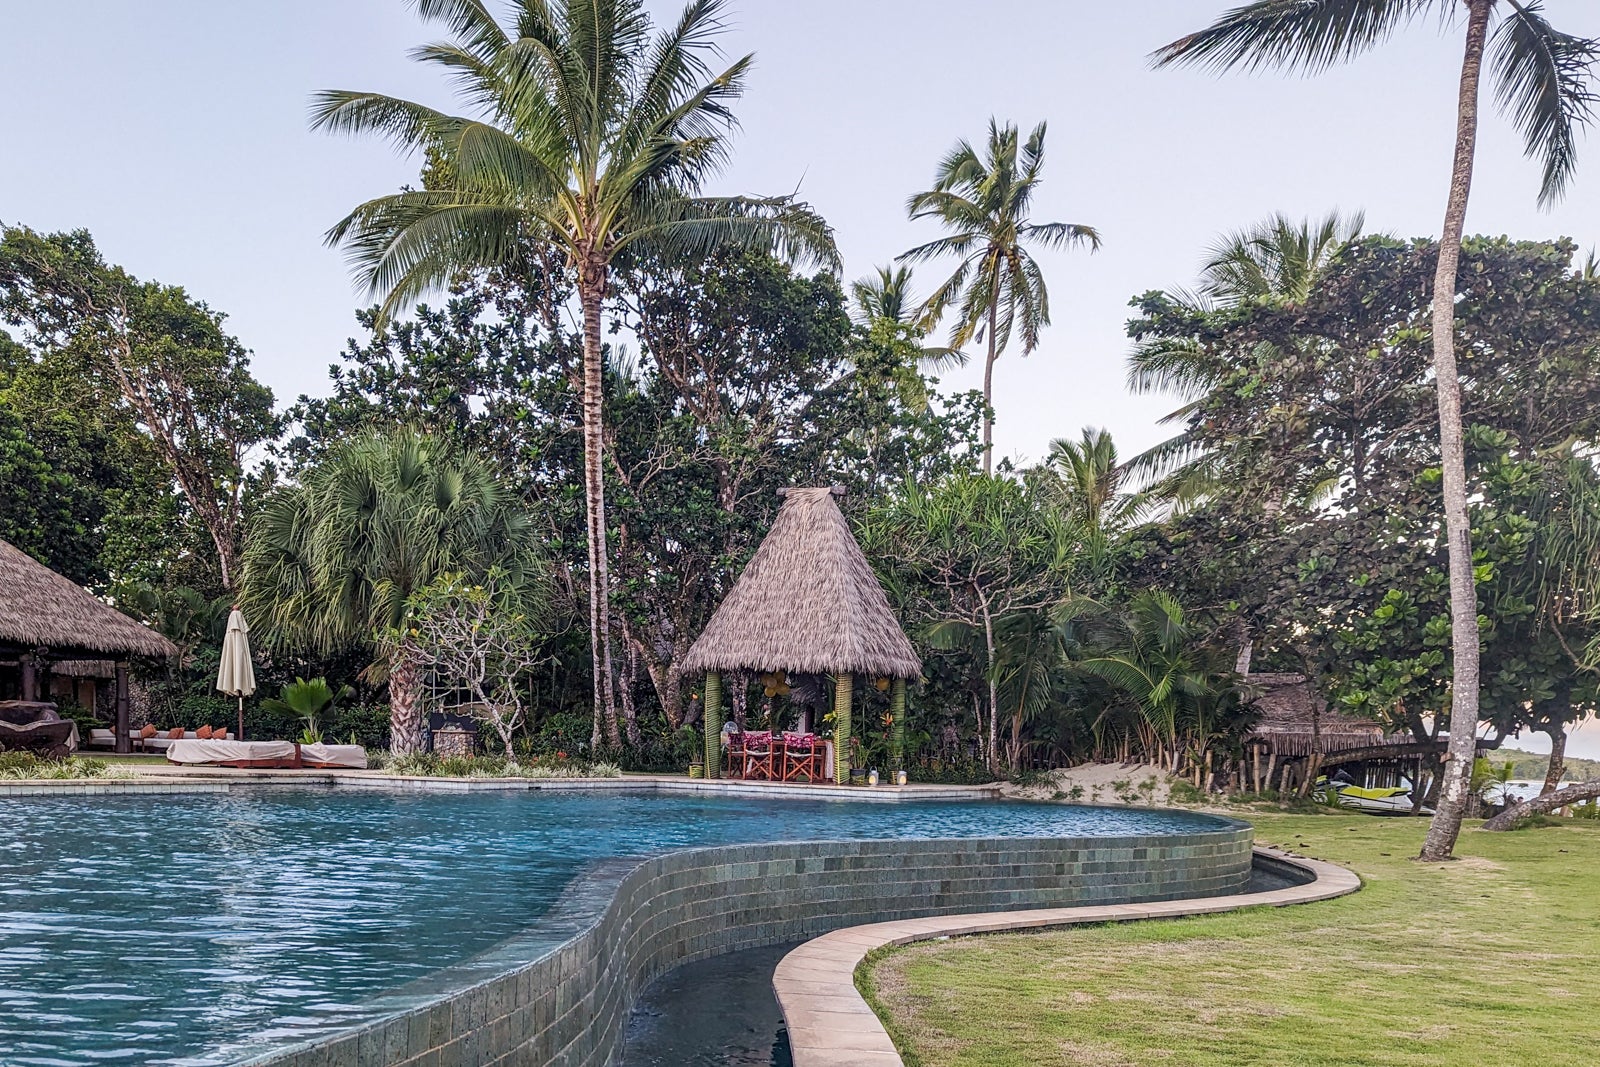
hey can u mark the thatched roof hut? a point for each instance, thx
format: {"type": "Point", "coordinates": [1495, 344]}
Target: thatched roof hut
{"type": "Point", "coordinates": [808, 602]}
{"type": "Point", "coordinates": [40, 609]}
{"type": "Point", "coordinates": [1293, 720]}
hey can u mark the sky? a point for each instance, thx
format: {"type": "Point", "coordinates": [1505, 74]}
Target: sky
{"type": "Point", "coordinates": [176, 132]}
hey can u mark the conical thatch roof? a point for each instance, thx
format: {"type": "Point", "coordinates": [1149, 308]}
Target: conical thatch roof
{"type": "Point", "coordinates": [807, 602]}
{"type": "Point", "coordinates": [40, 608]}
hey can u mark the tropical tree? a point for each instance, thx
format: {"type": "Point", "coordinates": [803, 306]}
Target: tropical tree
{"type": "Point", "coordinates": [588, 136]}
{"type": "Point", "coordinates": [1156, 656]}
{"type": "Point", "coordinates": [1278, 262]}
{"type": "Point", "coordinates": [161, 355]}
{"type": "Point", "coordinates": [984, 200]}
{"type": "Point", "coordinates": [962, 556]}
{"type": "Point", "coordinates": [331, 562]}
{"type": "Point", "coordinates": [1545, 83]}
{"type": "Point", "coordinates": [1092, 483]}
{"type": "Point", "coordinates": [1276, 259]}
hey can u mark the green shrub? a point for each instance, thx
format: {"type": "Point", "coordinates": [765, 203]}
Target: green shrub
{"type": "Point", "coordinates": [25, 765]}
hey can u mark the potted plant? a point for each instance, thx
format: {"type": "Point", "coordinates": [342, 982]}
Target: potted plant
{"type": "Point", "coordinates": [697, 766]}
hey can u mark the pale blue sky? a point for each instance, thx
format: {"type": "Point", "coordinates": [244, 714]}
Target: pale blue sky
{"type": "Point", "coordinates": [176, 132]}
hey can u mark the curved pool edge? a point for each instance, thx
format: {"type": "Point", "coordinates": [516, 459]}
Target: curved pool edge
{"type": "Point", "coordinates": [830, 1024]}
{"type": "Point", "coordinates": [561, 991]}
{"type": "Point", "coordinates": [163, 780]}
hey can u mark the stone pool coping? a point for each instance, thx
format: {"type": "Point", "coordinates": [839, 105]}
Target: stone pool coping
{"type": "Point", "coordinates": [831, 1025]}
{"type": "Point", "coordinates": [169, 779]}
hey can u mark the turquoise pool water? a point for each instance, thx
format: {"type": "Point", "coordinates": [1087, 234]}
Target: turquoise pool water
{"type": "Point", "coordinates": [202, 929]}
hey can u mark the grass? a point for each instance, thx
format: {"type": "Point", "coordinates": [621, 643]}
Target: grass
{"type": "Point", "coordinates": [1489, 959]}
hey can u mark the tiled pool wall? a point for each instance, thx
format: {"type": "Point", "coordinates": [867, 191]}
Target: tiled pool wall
{"type": "Point", "coordinates": [560, 994]}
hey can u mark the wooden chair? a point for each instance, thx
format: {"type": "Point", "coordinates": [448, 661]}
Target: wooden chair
{"type": "Point", "coordinates": [758, 755]}
{"type": "Point", "coordinates": [733, 754]}
{"type": "Point", "coordinates": [800, 757]}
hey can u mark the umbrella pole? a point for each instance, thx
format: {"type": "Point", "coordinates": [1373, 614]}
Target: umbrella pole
{"type": "Point", "coordinates": [240, 734]}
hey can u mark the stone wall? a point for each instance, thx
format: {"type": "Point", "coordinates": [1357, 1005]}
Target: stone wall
{"type": "Point", "coordinates": [560, 994]}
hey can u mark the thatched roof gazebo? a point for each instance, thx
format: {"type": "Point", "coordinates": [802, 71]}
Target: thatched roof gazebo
{"type": "Point", "coordinates": [45, 619]}
{"type": "Point", "coordinates": [808, 602]}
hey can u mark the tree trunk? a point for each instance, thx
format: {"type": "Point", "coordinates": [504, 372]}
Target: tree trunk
{"type": "Point", "coordinates": [1558, 760]}
{"type": "Point", "coordinates": [1457, 772]}
{"type": "Point", "coordinates": [988, 390]}
{"type": "Point", "coordinates": [591, 291]}
{"type": "Point", "coordinates": [994, 690]}
{"type": "Point", "coordinates": [405, 702]}
{"type": "Point", "coordinates": [1573, 794]}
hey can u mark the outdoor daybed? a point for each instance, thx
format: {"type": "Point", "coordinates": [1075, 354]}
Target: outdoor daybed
{"type": "Point", "coordinates": [264, 754]}
{"type": "Point", "coordinates": [156, 742]}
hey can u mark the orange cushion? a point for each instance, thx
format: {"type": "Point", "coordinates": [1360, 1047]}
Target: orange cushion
{"type": "Point", "coordinates": [175, 734]}
{"type": "Point", "coordinates": [149, 730]}
{"type": "Point", "coordinates": [203, 733]}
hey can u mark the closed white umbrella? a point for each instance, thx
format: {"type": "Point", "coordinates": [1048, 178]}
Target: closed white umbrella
{"type": "Point", "coordinates": [236, 676]}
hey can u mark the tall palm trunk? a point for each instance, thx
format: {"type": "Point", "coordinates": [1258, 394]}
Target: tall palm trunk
{"type": "Point", "coordinates": [591, 292]}
{"type": "Point", "coordinates": [988, 390]}
{"type": "Point", "coordinates": [405, 701]}
{"type": "Point", "coordinates": [1457, 772]}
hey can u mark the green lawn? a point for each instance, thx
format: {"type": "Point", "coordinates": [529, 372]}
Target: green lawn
{"type": "Point", "coordinates": [1492, 960]}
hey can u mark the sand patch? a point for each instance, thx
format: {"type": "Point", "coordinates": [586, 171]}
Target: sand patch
{"type": "Point", "coordinates": [1124, 784]}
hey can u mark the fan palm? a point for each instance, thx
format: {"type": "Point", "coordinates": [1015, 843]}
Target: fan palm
{"type": "Point", "coordinates": [588, 133]}
{"type": "Point", "coordinates": [1545, 82]}
{"type": "Point", "coordinates": [984, 201]}
{"type": "Point", "coordinates": [330, 562]}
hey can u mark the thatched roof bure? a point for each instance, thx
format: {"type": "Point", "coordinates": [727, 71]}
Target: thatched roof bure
{"type": "Point", "coordinates": [41, 609]}
{"type": "Point", "coordinates": [1293, 722]}
{"type": "Point", "coordinates": [807, 602]}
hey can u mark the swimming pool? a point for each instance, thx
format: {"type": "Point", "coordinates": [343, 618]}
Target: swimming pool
{"type": "Point", "coordinates": [207, 929]}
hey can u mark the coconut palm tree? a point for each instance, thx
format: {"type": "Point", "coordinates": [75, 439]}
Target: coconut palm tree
{"type": "Point", "coordinates": [984, 201]}
{"type": "Point", "coordinates": [330, 562]}
{"type": "Point", "coordinates": [1545, 83]}
{"type": "Point", "coordinates": [586, 132]}
{"type": "Point", "coordinates": [1276, 261]}
{"type": "Point", "coordinates": [1093, 483]}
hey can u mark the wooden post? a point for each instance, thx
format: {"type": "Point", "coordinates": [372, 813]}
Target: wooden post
{"type": "Point", "coordinates": [843, 691]}
{"type": "Point", "coordinates": [897, 725]}
{"type": "Point", "coordinates": [713, 725]}
{"type": "Point", "coordinates": [30, 677]}
{"type": "Point", "coordinates": [123, 743]}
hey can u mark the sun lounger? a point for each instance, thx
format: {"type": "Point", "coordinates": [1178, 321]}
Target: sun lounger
{"type": "Point", "coordinates": [215, 753]}
{"type": "Point", "coordinates": [353, 757]}
{"type": "Point", "coordinates": [234, 753]}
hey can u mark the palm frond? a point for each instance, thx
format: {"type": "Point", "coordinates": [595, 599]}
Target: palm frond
{"type": "Point", "coordinates": [1303, 35]}
{"type": "Point", "coordinates": [1545, 81]}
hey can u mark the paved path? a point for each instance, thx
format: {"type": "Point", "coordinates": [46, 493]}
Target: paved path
{"type": "Point", "coordinates": [830, 1025]}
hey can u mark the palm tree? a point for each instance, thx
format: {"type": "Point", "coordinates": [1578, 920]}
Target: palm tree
{"type": "Point", "coordinates": [330, 562]}
{"type": "Point", "coordinates": [1153, 655]}
{"type": "Point", "coordinates": [1277, 261]}
{"type": "Point", "coordinates": [984, 202]}
{"type": "Point", "coordinates": [1092, 483]}
{"type": "Point", "coordinates": [587, 133]}
{"type": "Point", "coordinates": [1544, 82]}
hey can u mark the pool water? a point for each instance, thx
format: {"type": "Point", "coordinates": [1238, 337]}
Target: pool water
{"type": "Point", "coordinates": [202, 929]}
